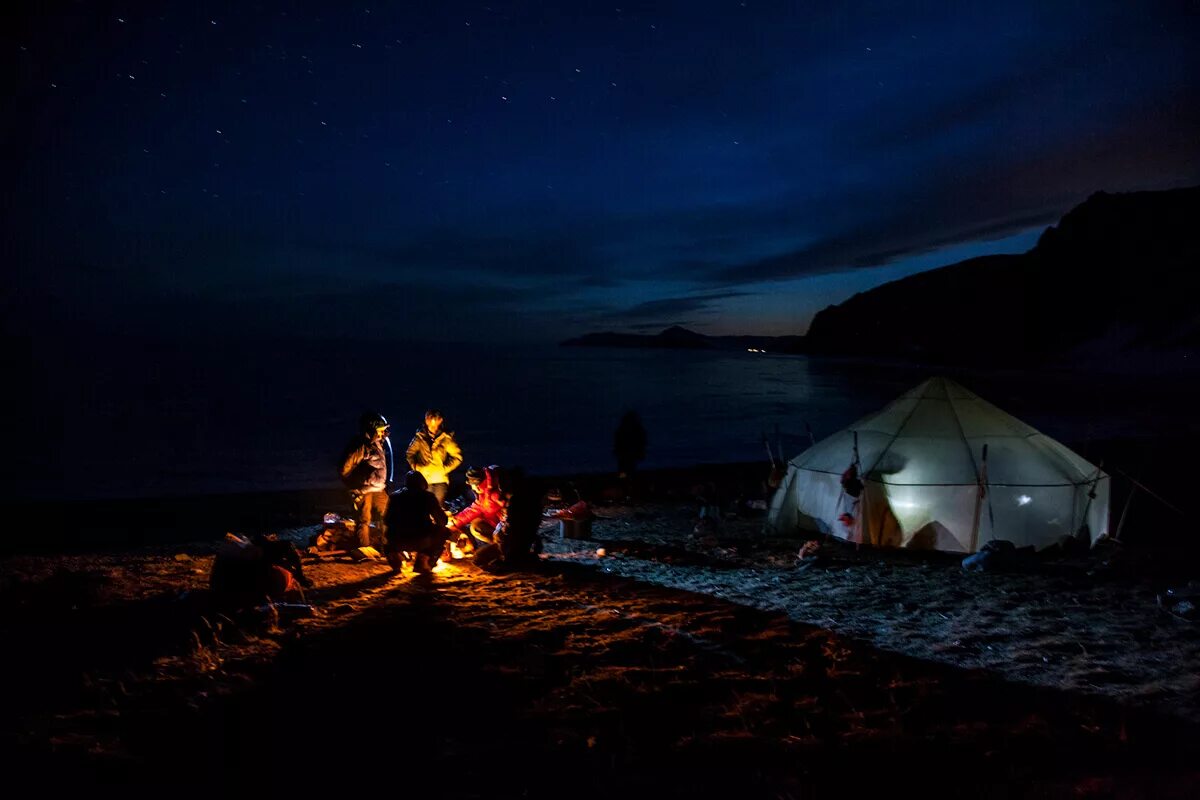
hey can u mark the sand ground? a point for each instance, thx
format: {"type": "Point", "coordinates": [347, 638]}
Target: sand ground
{"type": "Point", "coordinates": [672, 666]}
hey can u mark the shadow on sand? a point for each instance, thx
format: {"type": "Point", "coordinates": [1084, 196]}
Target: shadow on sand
{"type": "Point", "coordinates": [569, 682]}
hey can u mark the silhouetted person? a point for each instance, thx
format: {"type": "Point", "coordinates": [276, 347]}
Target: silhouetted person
{"type": "Point", "coordinates": [629, 443]}
{"type": "Point", "coordinates": [366, 471]}
{"type": "Point", "coordinates": [415, 524]}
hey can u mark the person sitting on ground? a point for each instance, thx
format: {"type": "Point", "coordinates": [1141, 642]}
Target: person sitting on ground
{"type": "Point", "coordinates": [516, 539]}
{"type": "Point", "coordinates": [476, 524]}
{"type": "Point", "coordinates": [434, 453]}
{"type": "Point", "coordinates": [415, 523]}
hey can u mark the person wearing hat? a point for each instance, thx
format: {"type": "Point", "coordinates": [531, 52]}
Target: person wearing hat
{"type": "Point", "coordinates": [366, 471]}
{"type": "Point", "coordinates": [477, 522]}
{"type": "Point", "coordinates": [434, 453]}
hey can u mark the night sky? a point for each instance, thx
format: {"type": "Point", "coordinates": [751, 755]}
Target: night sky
{"type": "Point", "coordinates": [446, 171]}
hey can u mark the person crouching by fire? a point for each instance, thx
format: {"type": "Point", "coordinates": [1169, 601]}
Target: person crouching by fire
{"type": "Point", "coordinates": [415, 523]}
{"type": "Point", "coordinates": [476, 524]}
{"type": "Point", "coordinates": [434, 453]}
{"type": "Point", "coordinates": [367, 471]}
{"type": "Point", "coordinates": [517, 541]}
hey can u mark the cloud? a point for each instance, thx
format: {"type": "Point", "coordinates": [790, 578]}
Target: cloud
{"type": "Point", "coordinates": [674, 305]}
{"type": "Point", "coordinates": [872, 246]}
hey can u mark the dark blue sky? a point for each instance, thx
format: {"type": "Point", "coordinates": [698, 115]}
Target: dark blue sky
{"type": "Point", "coordinates": [446, 170]}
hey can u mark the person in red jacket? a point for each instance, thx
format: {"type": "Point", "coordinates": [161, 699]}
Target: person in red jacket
{"type": "Point", "coordinates": [477, 522]}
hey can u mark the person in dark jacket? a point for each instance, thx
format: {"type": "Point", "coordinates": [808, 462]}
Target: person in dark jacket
{"type": "Point", "coordinates": [516, 539]}
{"type": "Point", "coordinates": [434, 453]}
{"type": "Point", "coordinates": [629, 444]}
{"type": "Point", "coordinates": [366, 471]}
{"type": "Point", "coordinates": [415, 523]}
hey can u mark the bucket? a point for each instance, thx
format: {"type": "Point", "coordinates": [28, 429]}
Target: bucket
{"type": "Point", "coordinates": [575, 528]}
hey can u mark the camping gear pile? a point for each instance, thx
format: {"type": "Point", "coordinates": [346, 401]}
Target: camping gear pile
{"type": "Point", "coordinates": [1182, 602]}
{"type": "Point", "coordinates": [250, 572]}
{"type": "Point", "coordinates": [575, 522]}
{"type": "Point", "coordinates": [339, 537]}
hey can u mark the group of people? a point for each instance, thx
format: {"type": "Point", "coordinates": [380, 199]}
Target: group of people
{"type": "Point", "coordinates": [413, 523]}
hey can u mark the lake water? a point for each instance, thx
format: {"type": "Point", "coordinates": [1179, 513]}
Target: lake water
{"type": "Point", "coordinates": [101, 420]}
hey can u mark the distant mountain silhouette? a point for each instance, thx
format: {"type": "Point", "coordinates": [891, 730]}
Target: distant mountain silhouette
{"type": "Point", "coordinates": [679, 338]}
{"type": "Point", "coordinates": [1118, 274]}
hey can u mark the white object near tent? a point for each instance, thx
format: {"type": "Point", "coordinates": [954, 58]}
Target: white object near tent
{"type": "Point", "coordinates": [943, 469]}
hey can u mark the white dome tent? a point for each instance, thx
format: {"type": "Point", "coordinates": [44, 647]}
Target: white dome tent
{"type": "Point", "coordinates": [942, 469]}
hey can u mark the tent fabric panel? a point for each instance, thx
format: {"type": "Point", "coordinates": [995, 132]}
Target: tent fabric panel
{"type": "Point", "coordinates": [1023, 462]}
{"type": "Point", "coordinates": [933, 418]}
{"type": "Point", "coordinates": [836, 453]}
{"type": "Point", "coordinates": [1070, 462]}
{"type": "Point", "coordinates": [819, 501]}
{"type": "Point", "coordinates": [978, 418]}
{"type": "Point", "coordinates": [889, 420]}
{"type": "Point", "coordinates": [920, 517]}
{"type": "Point", "coordinates": [921, 460]}
{"type": "Point", "coordinates": [1032, 515]}
{"type": "Point", "coordinates": [809, 501]}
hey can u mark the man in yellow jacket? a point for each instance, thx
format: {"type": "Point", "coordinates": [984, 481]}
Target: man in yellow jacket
{"type": "Point", "coordinates": [434, 453]}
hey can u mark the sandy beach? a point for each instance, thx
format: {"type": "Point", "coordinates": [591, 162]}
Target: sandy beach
{"type": "Point", "coordinates": [674, 665]}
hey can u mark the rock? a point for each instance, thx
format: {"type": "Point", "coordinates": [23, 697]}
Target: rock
{"type": "Point", "coordinates": [1186, 609]}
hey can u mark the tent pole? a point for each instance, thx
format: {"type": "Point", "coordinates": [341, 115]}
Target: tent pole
{"type": "Point", "coordinates": [860, 503]}
{"type": "Point", "coordinates": [979, 501]}
{"type": "Point", "coordinates": [1091, 496]}
{"type": "Point", "coordinates": [1124, 511]}
{"type": "Point", "coordinates": [1148, 491]}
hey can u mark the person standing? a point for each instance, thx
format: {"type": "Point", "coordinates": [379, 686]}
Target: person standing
{"type": "Point", "coordinates": [366, 471]}
{"type": "Point", "coordinates": [434, 453]}
{"type": "Point", "coordinates": [629, 444]}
